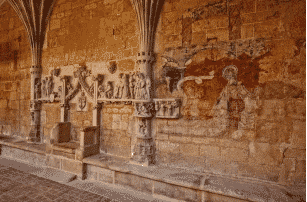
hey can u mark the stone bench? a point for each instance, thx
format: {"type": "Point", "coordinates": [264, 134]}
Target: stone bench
{"type": "Point", "coordinates": [61, 142]}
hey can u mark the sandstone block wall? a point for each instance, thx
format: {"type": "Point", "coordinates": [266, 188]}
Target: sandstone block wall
{"type": "Point", "coordinates": [266, 40]}
{"type": "Point", "coordinates": [15, 62]}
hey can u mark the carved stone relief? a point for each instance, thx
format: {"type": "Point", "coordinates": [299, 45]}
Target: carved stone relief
{"type": "Point", "coordinates": [143, 109]}
{"type": "Point", "coordinates": [127, 88]}
{"type": "Point", "coordinates": [82, 104]}
{"type": "Point", "coordinates": [167, 108]}
{"type": "Point", "coordinates": [81, 74]}
{"type": "Point", "coordinates": [121, 87]}
{"type": "Point", "coordinates": [142, 128]}
{"type": "Point", "coordinates": [109, 90]}
{"type": "Point", "coordinates": [37, 89]}
{"type": "Point", "coordinates": [50, 92]}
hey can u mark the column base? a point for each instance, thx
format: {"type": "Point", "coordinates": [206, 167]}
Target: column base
{"type": "Point", "coordinates": [144, 152]}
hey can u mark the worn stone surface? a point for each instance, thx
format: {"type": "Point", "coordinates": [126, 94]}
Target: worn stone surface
{"type": "Point", "coordinates": [35, 188]}
{"type": "Point", "coordinates": [265, 40]}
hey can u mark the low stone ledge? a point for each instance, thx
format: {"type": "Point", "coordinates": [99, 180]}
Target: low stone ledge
{"type": "Point", "coordinates": [235, 188]}
{"type": "Point", "coordinates": [21, 144]}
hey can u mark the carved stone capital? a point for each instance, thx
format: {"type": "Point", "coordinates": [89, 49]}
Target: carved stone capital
{"type": "Point", "coordinates": [167, 108]}
{"type": "Point", "coordinates": [143, 109]}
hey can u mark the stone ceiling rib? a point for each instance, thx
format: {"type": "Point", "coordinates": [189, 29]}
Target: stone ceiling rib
{"type": "Point", "coordinates": [148, 13]}
{"type": "Point", "coordinates": [35, 15]}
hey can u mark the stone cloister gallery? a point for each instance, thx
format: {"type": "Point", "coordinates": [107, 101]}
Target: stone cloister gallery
{"type": "Point", "coordinates": [198, 100]}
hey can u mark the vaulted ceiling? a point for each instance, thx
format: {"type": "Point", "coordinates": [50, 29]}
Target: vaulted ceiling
{"type": "Point", "coordinates": [34, 14]}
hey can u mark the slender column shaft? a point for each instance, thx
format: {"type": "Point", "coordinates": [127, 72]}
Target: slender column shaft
{"type": "Point", "coordinates": [148, 12]}
{"type": "Point", "coordinates": [35, 104]}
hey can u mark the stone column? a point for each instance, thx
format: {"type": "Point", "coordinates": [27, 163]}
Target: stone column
{"type": "Point", "coordinates": [35, 20]}
{"type": "Point", "coordinates": [35, 104]}
{"type": "Point", "coordinates": [148, 13]}
{"type": "Point", "coordinates": [64, 104]}
{"type": "Point", "coordinates": [97, 106]}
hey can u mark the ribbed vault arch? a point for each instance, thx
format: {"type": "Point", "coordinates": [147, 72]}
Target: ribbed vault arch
{"type": "Point", "coordinates": [34, 14]}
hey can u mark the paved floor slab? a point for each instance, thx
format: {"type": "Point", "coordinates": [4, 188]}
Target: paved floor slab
{"type": "Point", "coordinates": [22, 182]}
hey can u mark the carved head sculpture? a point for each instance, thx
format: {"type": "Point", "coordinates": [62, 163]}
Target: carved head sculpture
{"type": "Point", "coordinates": [230, 74]}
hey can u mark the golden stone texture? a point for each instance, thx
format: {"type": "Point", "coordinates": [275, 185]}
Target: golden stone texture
{"type": "Point", "coordinates": [265, 40]}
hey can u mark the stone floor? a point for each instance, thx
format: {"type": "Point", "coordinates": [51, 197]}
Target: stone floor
{"type": "Point", "coordinates": [23, 182]}
{"type": "Point", "coordinates": [17, 185]}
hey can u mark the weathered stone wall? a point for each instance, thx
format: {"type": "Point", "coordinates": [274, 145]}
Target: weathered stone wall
{"type": "Point", "coordinates": [93, 33]}
{"type": "Point", "coordinates": [264, 39]}
{"type": "Point", "coordinates": [15, 62]}
{"type": "Point", "coordinates": [118, 130]}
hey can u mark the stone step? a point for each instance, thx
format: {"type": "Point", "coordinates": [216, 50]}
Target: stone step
{"type": "Point", "coordinates": [44, 172]}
